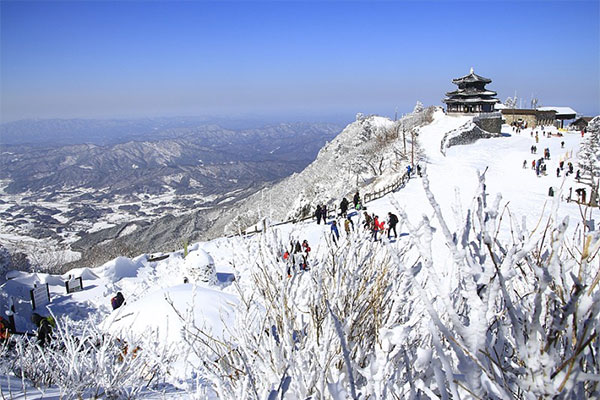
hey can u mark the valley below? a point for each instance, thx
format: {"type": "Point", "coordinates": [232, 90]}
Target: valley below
{"type": "Point", "coordinates": [57, 201]}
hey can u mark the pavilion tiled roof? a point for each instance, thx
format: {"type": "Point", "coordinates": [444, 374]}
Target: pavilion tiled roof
{"type": "Point", "coordinates": [472, 77]}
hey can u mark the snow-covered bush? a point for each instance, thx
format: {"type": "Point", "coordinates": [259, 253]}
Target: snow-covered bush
{"type": "Point", "coordinates": [200, 267]}
{"type": "Point", "coordinates": [418, 107]}
{"type": "Point", "coordinates": [84, 362]}
{"type": "Point", "coordinates": [514, 315]}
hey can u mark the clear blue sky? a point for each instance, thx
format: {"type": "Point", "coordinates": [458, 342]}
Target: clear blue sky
{"type": "Point", "coordinates": [131, 58]}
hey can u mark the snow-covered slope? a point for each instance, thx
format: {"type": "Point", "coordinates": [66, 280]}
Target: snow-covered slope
{"type": "Point", "coordinates": [152, 288]}
{"type": "Point", "coordinates": [368, 154]}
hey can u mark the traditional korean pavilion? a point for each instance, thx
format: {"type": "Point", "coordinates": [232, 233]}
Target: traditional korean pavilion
{"type": "Point", "coordinates": [471, 96]}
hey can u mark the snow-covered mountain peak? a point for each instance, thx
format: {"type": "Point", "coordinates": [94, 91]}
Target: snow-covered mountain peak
{"type": "Point", "coordinates": [368, 154]}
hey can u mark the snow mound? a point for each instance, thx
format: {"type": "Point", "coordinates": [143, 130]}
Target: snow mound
{"type": "Point", "coordinates": [199, 266]}
{"type": "Point", "coordinates": [157, 313]}
{"type": "Point", "coordinates": [119, 268]}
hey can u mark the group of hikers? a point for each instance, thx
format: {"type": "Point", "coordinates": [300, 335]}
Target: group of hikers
{"type": "Point", "coordinates": [297, 257]}
{"type": "Point", "coordinates": [321, 213]}
{"type": "Point", "coordinates": [563, 167]}
{"type": "Point", "coordinates": [377, 226]}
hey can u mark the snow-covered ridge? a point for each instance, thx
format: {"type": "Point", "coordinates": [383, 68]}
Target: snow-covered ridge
{"type": "Point", "coordinates": [478, 277]}
{"type": "Point", "coordinates": [367, 155]}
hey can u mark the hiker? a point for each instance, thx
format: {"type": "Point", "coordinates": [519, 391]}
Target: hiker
{"type": "Point", "coordinates": [299, 262]}
{"type": "Point", "coordinates": [368, 220]}
{"type": "Point", "coordinates": [551, 192]}
{"type": "Point", "coordinates": [580, 195]}
{"type": "Point", "coordinates": [532, 164]}
{"type": "Point", "coordinates": [377, 226]}
{"type": "Point", "coordinates": [117, 301]}
{"type": "Point", "coordinates": [335, 234]}
{"type": "Point", "coordinates": [356, 200]}
{"type": "Point", "coordinates": [570, 167]}
{"type": "Point", "coordinates": [558, 172]}
{"type": "Point", "coordinates": [578, 175]}
{"type": "Point", "coordinates": [45, 326]}
{"type": "Point", "coordinates": [561, 165]}
{"type": "Point", "coordinates": [524, 164]}
{"type": "Point", "coordinates": [392, 221]}
{"type": "Point", "coordinates": [419, 170]}
{"type": "Point", "coordinates": [408, 170]}
{"type": "Point", "coordinates": [296, 247]}
{"type": "Point", "coordinates": [305, 247]}
{"type": "Point", "coordinates": [324, 213]}
{"type": "Point", "coordinates": [344, 207]}
{"type": "Point", "coordinates": [562, 144]}
{"type": "Point", "coordinates": [348, 225]}
{"type": "Point", "coordinates": [318, 214]}
{"type": "Point", "coordinates": [532, 147]}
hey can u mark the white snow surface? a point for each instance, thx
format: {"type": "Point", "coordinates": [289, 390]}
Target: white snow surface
{"type": "Point", "coordinates": [155, 312]}
{"type": "Point", "coordinates": [150, 287]}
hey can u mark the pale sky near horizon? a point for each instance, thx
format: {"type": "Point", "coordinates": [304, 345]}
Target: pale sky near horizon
{"type": "Point", "coordinates": [297, 59]}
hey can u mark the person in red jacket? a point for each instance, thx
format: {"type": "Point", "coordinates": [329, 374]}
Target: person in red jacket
{"type": "Point", "coordinates": [377, 226]}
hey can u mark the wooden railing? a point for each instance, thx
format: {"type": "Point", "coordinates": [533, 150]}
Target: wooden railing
{"type": "Point", "coordinates": [331, 212]}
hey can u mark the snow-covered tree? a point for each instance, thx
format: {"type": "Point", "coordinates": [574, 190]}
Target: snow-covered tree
{"type": "Point", "coordinates": [511, 102]}
{"type": "Point", "coordinates": [589, 159]}
{"type": "Point", "coordinates": [418, 107]}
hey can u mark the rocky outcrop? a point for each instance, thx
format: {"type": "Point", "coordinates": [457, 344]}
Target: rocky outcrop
{"type": "Point", "coordinates": [472, 131]}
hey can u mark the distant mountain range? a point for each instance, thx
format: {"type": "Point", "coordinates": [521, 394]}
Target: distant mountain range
{"type": "Point", "coordinates": [206, 160]}
{"type": "Point", "coordinates": [368, 154]}
{"type": "Point", "coordinates": [88, 191]}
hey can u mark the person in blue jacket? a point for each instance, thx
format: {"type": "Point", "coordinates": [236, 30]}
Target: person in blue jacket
{"type": "Point", "coordinates": [334, 232]}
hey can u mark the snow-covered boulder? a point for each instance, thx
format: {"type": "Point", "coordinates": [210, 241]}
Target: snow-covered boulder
{"type": "Point", "coordinates": [199, 267]}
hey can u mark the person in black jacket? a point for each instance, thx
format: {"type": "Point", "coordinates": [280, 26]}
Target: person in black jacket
{"type": "Point", "coordinates": [319, 214]}
{"type": "Point", "coordinates": [344, 207]}
{"type": "Point", "coordinates": [356, 200]}
{"type": "Point", "coordinates": [117, 301]}
{"type": "Point", "coordinates": [392, 222]}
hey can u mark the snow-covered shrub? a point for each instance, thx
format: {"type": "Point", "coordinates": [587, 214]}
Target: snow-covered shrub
{"type": "Point", "coordinates": [200, 267]}
{"type": "Point", "coordinates": [84, 362]}
{"type": "Point", "coordinates": [514, 315]}
{"type": "Point", "coordinates": [418, 107]}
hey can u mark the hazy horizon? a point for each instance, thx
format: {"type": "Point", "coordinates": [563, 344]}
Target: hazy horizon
{"type": "Point", "coordinates": [323, 61]}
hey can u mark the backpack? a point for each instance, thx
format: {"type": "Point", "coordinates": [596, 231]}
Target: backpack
{"type": "Point", "coordinates": [393, 219]}
{"type": "Point", "coordinates": [4, 329]}
{"type": "Point", "coordinates": [116, 302]}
